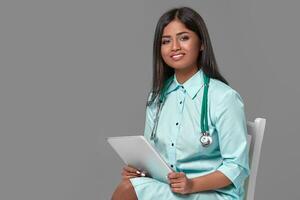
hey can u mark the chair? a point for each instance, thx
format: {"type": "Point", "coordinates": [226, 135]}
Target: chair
{"type": "Point", "coordinates": [255, 137]}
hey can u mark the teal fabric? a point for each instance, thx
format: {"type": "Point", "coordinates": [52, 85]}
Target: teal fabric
{"type": "Point", "coordinates": [179, 124]}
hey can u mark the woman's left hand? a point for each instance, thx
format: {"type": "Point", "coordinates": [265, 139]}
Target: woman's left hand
{"type": "Point", "coordinates": [179, 183]}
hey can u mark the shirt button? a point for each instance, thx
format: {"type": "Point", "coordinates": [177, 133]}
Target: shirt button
{"type": "Point", "coordinates": [180, 102]}
{"type": "Point", "coordinates": [176, 123]}
{"type": "Point", "coordinates": [172, 144]}
{"type": "Point", "coordinates": [172, 166]}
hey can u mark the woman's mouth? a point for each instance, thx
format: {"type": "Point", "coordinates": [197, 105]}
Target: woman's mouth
{"type": "Point", "coordinates": [177, 57]}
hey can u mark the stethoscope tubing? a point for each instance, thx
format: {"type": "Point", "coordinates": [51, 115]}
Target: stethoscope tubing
{"type": "Point", "coordinates": [205, 139]}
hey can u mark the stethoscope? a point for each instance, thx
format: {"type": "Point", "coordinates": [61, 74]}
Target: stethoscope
{"type": "Point", "coordinates": [205, 138]}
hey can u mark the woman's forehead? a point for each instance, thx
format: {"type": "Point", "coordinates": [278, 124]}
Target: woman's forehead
{"type": "Point", "coordinates": [175, 27]}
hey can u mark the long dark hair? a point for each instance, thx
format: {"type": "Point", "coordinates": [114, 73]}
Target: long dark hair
{"type": "Point", "coordinates": [206, 59]}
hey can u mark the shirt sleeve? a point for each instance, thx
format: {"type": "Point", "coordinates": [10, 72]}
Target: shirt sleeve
{"type": "Point", "coordinates": [231, 126]}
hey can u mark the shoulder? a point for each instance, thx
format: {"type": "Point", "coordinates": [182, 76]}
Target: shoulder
{"type": "Point", "coordinates": [151, 105]}
{"type": "Point", "coordinates": [224, 101]}
{"type": "Point", "coordinates": [150, 101]}
{"type": "Point", "coordinates": [221, 93]}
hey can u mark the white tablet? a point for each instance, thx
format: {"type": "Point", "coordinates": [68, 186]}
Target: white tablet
{"type": "Point", "coordinates": [139, 153]}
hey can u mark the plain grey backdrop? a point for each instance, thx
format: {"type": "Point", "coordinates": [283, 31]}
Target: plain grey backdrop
{"type": "Point", "coordinates": [74, 72]}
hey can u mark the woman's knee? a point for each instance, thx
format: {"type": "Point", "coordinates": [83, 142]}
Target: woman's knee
{"type": "Point", "coordinates": [127, 186]}
{"type": "Point", "coordinates": [124, 190]}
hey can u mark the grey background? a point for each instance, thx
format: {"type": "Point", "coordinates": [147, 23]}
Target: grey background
{"type": "Point", "coordinates": [75, 72]}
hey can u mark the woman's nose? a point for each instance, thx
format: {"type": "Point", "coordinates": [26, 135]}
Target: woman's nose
{"type": "Point", "coordinates": [176, 45]}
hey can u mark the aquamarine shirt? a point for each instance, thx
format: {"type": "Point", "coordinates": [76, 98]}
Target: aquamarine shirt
{"type": "Point", "coordinates": [179, 131]}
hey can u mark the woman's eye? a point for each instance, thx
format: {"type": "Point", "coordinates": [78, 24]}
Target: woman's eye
{"type": "Point", "coordinates": [165, 41]}
{"type": "Point", "coordinates": [184, 38]}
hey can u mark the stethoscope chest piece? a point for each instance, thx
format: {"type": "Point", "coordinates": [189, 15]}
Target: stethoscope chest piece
{"type": "Point", "coordinates": [205, 139]}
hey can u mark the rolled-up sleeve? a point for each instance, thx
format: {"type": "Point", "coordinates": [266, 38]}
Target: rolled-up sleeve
{"type": "Point", "coordinates": [231, 126]}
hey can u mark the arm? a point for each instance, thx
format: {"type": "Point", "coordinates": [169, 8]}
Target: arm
{"type": "Point", "coordinates": [181, 184]}
{"type": "Point", "coordinates": [212, 181]}
{"type": "Point", "coordinates": [231, 126]}
{"type": "Point", "coordinates": [230, 122]}
{"type": "Point", "coordinates": [149, 119]}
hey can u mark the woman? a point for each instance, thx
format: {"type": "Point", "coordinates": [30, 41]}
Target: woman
{"type": "Point", "coordinates": [208, 166]}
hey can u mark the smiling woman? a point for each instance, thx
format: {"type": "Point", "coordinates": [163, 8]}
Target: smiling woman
{"type": "Point", "coordinates": [200, 132]}
{"type": "Point", "coordinates": [180, 49]}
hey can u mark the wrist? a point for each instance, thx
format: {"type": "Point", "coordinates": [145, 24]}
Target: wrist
{"type": "Point", "coordinates": [193, 185]}
{"type": "Point", "coordinates": [197, 185]}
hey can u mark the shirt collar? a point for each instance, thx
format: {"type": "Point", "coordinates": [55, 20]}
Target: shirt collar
{"type": "Point", "coordinates": [192, 85]}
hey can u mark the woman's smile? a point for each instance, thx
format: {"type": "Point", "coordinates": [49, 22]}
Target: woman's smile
{"type": "Point", "coordinates": [177, 57]}
{"type": "Point", "coordinates": [180, 47]}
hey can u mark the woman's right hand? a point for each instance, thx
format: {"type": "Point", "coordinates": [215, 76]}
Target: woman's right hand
{"type": "Point", "coordinates": [131, 172]}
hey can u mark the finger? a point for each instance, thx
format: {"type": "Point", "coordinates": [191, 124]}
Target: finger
{"type": "Point", "coordinates": [129, 174]}
{"type": "Point", "coordinates": [130, 169]}
{"type": "Point", "coordinates": [176, 180]}
{"type": "Point", "coordinates": [171, 175]}
{"type": "Point", "coordinates": [176, 185]}
{"type": "Point", "coordinates": [177, 190]}
{"type": "Point", "coordinates": [174, 175]}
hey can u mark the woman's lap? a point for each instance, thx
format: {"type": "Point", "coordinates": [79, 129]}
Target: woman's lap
{"type": "Point", "coordinates": [149, 189]}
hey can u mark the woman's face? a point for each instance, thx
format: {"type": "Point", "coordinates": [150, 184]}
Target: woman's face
{"type": "Point", "coordinates": [180, 46]}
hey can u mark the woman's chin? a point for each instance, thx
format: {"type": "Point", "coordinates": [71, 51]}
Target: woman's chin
{"type": "Point", "coordinates": [180, 67]}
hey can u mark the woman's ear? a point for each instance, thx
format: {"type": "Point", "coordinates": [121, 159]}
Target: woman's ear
{"type": "Point", "coordinates": [201, 48]}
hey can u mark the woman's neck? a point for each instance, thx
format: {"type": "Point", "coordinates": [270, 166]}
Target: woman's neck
{"type": "Point", "coordinates": [183, 75]}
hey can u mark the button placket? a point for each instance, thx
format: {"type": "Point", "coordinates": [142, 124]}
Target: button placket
{"type": "Point", "coordinates": [181, 104]}
{"type": "Point", "coordinates": [172, 144]}
{"type": "Point", "coordinates": [180, 99]}
{"type": "Point", "coordinates": [181, 94]}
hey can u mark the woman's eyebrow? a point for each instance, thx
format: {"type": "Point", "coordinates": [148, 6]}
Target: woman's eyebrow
{"type": "Point", "coordinates": [168, 36]}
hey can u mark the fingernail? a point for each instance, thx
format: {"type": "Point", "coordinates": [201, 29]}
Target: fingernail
{"type": "Point", "coordinates": [138, 172]}
{"type": "Point", "coordinates": [143, 174]}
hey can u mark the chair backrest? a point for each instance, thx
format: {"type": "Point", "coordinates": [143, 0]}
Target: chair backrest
{"type": "Point", "coordinates": [256, 131]}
